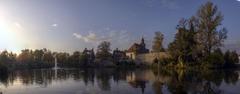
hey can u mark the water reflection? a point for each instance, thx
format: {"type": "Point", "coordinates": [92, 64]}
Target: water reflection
{"type": "Point", "coordinates": [109, 81]}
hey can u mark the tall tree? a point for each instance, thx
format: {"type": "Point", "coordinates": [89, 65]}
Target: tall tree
{"type": "Point", "coordinates": [200, 35]}
{"type": "Point", "coordinates": [103, 50]}
{"type": "Point", "coordinates": [157, 42]}
{"type": "Point", "coordinates": [184, 44]}
{"type": "Point", "coordinates": [210, 36]}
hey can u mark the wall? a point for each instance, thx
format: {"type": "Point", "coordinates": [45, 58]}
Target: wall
{"type": "Point", "coordinates": [131, 55]}
{"type": "Point", "coordinates": [149, 57]}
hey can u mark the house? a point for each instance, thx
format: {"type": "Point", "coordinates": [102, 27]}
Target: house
{"type": "Point", "coordinates": [136, 49]}
{"type": "Point", "coordinates": [89, 54]}
{"type": "Point", "coordinates": [118, 55]}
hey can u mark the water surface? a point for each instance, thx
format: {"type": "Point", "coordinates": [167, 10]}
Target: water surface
{"type": "Point", "coordinates": [120, 81]}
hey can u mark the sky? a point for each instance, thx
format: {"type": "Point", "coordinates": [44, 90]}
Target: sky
{"type": "Point", "coordinates": [70, 25]}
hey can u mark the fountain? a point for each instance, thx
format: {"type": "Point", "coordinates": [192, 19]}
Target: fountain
{"type": "Point", "coordinates": [55, 63]}
{"type": "Point", "coordinates": [55, 67]}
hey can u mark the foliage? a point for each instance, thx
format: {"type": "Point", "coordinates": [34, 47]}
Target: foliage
{"type": "Point", "coordinates": [6, 57]}
{"type": "Point", "coordinates": [231, 58]}
{"type": "Point", "coordinates": [199, 37]}
{"type": "Point", "coordinates": [3, 69]}
{"type": "Point", "coordinates": [184, 45]}
{"type": "Point", "coordinates": [157, 43]}
{"type": "Point", "coordinates": [209, 35]}
{"type": "Point", "coordinates": [103, 51]}
{"type": "Point", "coordinates": [215, 59]}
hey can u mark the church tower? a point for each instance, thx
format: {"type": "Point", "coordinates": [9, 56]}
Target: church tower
{"type": "Point", "coordinates": [143, 43]}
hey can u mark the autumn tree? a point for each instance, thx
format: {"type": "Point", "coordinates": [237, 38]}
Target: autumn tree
{"type": "Point", "coordinates": [157, 42]}
{"type": "Point", "coordinates": [210, 35]}
{"type": "Point", "coordinates": [183, 48]}
{"type": "Point", "coordinates": [199, 36]}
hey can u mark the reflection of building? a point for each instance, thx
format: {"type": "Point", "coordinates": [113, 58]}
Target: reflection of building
{"type": "Point", "coordinates": [89, 54]}
{"type": "Point", "coordinates": [136, 49]}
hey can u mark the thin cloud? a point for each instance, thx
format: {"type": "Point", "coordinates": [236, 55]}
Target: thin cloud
{"type": "Point", "coordinates": [113, 36]}
{"type": "Point", "coordinates": [54, 25]}
{"type": "Point", "coordinates": [91, 37]}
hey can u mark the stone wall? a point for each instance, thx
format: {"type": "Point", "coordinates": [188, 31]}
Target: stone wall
{"type": "Point", "coordinates": [149, 57]}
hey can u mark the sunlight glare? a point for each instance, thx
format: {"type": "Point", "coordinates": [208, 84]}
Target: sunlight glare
{"type": "Point", "coordinates": [9, 35]}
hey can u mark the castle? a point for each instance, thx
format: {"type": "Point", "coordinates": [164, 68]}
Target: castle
{"type": "Point", "coordinates": [136, 49]}
{"type": "Point", "coordinates": [140, 54]}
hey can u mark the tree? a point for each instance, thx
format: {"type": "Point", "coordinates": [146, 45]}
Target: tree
{"type": "Point", "coordinates": [62, 57]}
{"type": "Point", "coordinates": [75, 57]}
{"type": "Point", "coordinates": [26, 56]}
{"type": "Point", "coordinates": [199, 36]}
{"type": "Point", "coordinates": [183, 47]}
{"type": "Point", "coordinates": [4, 57]}
{"type": "Point", "coordinates": [216, 58]}
{"type": "Point", "coordinates": [48, 56]}
{"type": "Point", "coordinates": [38, 55]}
{"type": "Point", "coordinates": [231, 58]}
{"type": "Point", "coordinates": [157, 43]}
{"type": "Point", "coordinates": [103, 51]}
{"type": "Point", "coordinates": [209, 35]}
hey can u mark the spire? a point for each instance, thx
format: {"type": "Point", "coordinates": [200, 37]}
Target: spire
{"type": "Point", "coordinates": [142, 40]}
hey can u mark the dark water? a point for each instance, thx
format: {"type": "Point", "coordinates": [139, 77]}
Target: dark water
{"type": "Point", "coordinates": [116, 81]}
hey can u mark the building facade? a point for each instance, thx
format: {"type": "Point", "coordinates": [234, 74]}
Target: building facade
{"type": "Point", "coordinates": [118, 55]}
{"type": "Point", "coordinates": [136, 49]}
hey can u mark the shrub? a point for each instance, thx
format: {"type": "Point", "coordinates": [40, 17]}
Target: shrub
{"type": "Point", "coordinates": [215, 59]}
{"type": "Point", "coordinates": [3, 69]}
{"type": "Point", "coordinates": [231, 58]}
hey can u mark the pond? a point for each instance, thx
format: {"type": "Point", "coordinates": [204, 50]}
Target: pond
{"type": "Point", "coordinates": [120, 81]}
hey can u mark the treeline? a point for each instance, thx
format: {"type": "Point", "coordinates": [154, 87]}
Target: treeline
{"type": "Point", "coordinates": [44, 58]}
{"type": "Point", "coordinates": [199, 39]}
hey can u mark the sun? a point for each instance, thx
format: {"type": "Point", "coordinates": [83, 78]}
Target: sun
{"type": "Point", "coordinates": [9, 35]}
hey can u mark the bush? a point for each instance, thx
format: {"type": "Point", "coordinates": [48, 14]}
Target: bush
{"type": "Point", "coordinates": [215, 59]}
{"type": "Point", "coordinates": [3, 69]}
{"type": "Point", "coordinates": [231, 58]}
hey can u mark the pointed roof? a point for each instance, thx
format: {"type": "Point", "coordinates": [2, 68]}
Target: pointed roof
{"type": "Point", "coordinates": [134, 47]}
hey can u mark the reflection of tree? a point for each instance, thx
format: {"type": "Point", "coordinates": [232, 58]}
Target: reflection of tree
{"type": "Point", "coordinates": [139, 84]}
{"type": "Point", "coordinates": [231, 77]}
{"type": "Point", "coordinates": [103, 77]}
{"type": "Point", "coordinates": [176, 81]}
{"type": "Point", "coordinates": [209, 89]}
{"type": "Point", "coordinates": [4, 79]}
{"type": "Point", "coordinates": [214, 76]}
{"type": "Point", "coordinates": [157, 87]}
{"type": "Point", "coordinates": [88, 75]}
{"type": "Point", "coordinates": [194, 81]}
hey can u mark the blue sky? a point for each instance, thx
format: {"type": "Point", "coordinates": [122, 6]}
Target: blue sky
{"type": "Point", "coordinates": [69, 25]}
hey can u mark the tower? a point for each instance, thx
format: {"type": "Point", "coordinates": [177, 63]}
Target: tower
{"type": "Point", "coordinates": [142, 43]}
